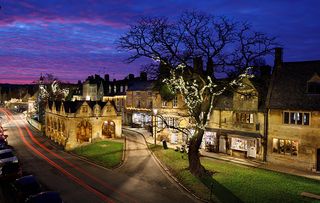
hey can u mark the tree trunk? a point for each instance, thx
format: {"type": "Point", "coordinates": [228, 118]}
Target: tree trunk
{"type": "Point", "coordinates": [195, 166]}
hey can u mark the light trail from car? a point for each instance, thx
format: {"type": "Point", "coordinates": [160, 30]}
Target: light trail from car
{"type": "Point", "coordinates": [105, 185]}
{"type": "Point", "coordinates": [102, 196]}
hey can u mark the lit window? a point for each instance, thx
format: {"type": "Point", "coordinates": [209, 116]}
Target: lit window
{"type": "Point", "coordinates": [244, 117]}
{"type": "Point", "coordinates": [296, 118]}
{"type": "Point", "coordinates": [138, 104]}
{"type": "Point", "coordinates": [164, 103]}
{"type": "Point", "coordinates": [285, 147]}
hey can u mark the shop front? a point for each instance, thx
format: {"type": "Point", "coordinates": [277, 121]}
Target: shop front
{"type": "Point", "coordinates": [141, 119]}
{"type": "Point", "coordinates": [235, 143]}
{"type": "Point", "coordinates": [243, 147]}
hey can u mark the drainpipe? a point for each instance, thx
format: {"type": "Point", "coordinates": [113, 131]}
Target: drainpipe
{"type": "Point", "coordinates": [219, 132]}
{"type": "Point", "coordinates": [265, 135]}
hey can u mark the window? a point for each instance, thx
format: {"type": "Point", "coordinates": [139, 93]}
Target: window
{"type": "Point", "coordinates": [244, 117]}
{"type": "Point", "coordinates": [246, 97]}
{"type": "Point", "coordinates": [164, 103]}
{"type": "Point", "coordinates": [175, 101]}
{"type": "Point", "coordinates": [138, 104]}
{"type": "Point", "coordinates": [296, 118]}
{"type": "Point", "coordinates": [285, 147]}
{"type": "Point", "coordinates": [121, 88]}
{"type": "Point", "coordinates": [109, 88]}
{"type": "Point", "coordinates": [114, 88]}
{"type": "Point", "coordinates": [313, 87]}
{"type": "Point", "coordinates": [84, 109]}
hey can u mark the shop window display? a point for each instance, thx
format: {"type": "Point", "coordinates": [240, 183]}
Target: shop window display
{"type": "Point", "coordinates": [285, 147]}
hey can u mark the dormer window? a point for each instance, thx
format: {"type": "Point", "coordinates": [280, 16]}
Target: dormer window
{"type": "Point", "coordinates": [313, 86]}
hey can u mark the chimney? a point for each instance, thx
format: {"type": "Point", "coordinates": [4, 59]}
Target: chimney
{"type": "Point", "coordinates": [278, 57]}
{"type": "Point", "coordinates": [106, 77]}
{"type": "Point", "coordinates": [209, 67]}
{"type": "Point", "coordinates": [143, 76]}
{"type": "Point", "coordinates": [198, 65]}
{"type": "Point", "coordinates": [131, 76]}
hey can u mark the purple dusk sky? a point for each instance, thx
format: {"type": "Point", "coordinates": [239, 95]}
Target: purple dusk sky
{"type": "Point", "coordinates": [76, 38]}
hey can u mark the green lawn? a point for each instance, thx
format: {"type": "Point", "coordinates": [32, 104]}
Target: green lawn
{"type": "Point", "coordinates": [237, 183]}
{"type": "Point", "coordinates": [105, 153]}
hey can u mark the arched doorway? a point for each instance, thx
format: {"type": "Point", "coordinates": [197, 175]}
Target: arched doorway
{"type": "Point", "coordinates": [84, 131]}
{"type": "Point", "coordinates": [108, 129]}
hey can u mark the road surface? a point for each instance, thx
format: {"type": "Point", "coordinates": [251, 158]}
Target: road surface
{"type": "Point", "coordinates": [139, 179]}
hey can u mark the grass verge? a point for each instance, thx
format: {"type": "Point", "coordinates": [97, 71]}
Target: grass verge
{"type": "Point", "coordinates": [237, 183]}
{"type": "Point", "coordinates": [106, 153]}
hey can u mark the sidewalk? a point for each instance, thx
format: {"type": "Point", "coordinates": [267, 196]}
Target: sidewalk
{"type": "Point", "coordinates": [224, 157]}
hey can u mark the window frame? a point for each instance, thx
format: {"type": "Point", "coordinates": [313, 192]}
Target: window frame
{"type": "Point", "coordinates": [175, 102]}
{"type": "Point", "coordinates": [292, 118]}
{"type": "Point", "coordinates": [164, 103]}
{"type": "Point", "coordinates": [281, 146]}
{"type": "Point", "coordinates": [245, 117]}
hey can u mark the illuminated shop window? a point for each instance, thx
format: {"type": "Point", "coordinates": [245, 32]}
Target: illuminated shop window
{"type": "Point", "coordinates": [285, 147]}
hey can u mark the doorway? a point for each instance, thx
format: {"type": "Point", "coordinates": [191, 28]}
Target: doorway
{"type": "Point", "coordinates": [318, 159]}
{"type": "Point", "coordinates": [108, 129]}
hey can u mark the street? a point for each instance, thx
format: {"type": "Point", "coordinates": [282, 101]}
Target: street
{"type": "Point", "coordinates": [139, 179]}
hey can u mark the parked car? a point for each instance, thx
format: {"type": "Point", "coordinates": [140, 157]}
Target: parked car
{"type": "Point", "coordinates": [6, 155]}
{"type": "Point", "coordinates": [10, 171]}
{"type": "Point", "coordinates": [24, 187]}
{"type": "Point", "coordinates": [45, 197]}
{"type": "Point", "coordinates": [3, 138]}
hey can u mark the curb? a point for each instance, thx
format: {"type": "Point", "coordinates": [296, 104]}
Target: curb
{"type": "Point", "coordinates": [100, 164]}
{"type": "Point", "coordinates": [165, 169]}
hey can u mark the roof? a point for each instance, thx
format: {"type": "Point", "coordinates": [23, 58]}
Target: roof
{"type": "Point", "coordinates": [225, 101]}
{"type": "Point", "coordinates": [237, 132]}
{"type": "Point", "coordinates": [73, 106]}
{"type": "Point", "coordinates": [289, 86]}
{"type": "Point", "coordinates": [140, 85]}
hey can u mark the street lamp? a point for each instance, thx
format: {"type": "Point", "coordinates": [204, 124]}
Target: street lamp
{"type": "Point", "coordinates": [155, 111]}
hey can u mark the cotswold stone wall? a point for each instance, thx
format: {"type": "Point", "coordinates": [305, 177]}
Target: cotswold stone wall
{"type": "Point", "coordinates": [307, 136]}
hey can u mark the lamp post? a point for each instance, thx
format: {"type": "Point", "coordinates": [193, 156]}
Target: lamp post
{"type": "Point", "coordinates": [155, 111]}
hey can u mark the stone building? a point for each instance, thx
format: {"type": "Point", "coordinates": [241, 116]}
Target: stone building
{"type": "Point", "coordinates": [294, 114]}
{"type": "Point", "coordinates": [71, 123]}
{"type": "Point", "coordinates": [236, 123]}
{"type": "Point", "coordinates": [146, 108]}
{"type": "Point", "coordinates": [139, 104]}
{"type": "Point", "coordinates": [170, 115]}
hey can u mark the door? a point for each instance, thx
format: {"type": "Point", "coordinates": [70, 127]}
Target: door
{"type": "Point", "coordinates": [108, 129]}
{"type": "Point", "coordinates": [318, 159]}
{"type": "Point", "coordinates": [222, 144]}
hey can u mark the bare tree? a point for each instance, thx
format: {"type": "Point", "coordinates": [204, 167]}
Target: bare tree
{"type": "Point", "coordinates": [229, 49]}
{"type": "Point", "coordinates": [49, 89]}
